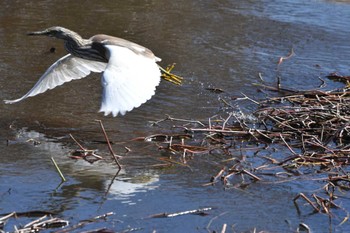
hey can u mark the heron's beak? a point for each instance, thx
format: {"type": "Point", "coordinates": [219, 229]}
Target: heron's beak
{"type": "Point", "coordinates": [45, 32]}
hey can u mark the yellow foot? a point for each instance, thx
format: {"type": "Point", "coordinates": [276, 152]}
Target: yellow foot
{"type": "Point", "coordinates": [166, 75]}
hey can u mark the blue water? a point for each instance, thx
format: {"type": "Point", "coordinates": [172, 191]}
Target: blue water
{"type": "Point", "coordinates": [215, 44]}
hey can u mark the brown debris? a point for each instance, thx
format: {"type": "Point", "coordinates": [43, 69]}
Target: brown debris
{"type": "Point", "coordinates": [295, 133]}
{"type": "Point", "coordinates": [45, 221]}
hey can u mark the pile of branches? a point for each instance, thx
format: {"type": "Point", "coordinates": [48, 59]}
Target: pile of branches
{"type": "Point", "coordinates": [313, 125]}
{"type": "Point", "coordinates": [315, 122]}
{"type": "Point", "coordinates": [310, 130]}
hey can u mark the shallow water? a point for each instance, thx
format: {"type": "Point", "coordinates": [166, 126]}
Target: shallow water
{"type": "Point", "coordinates": [220, 44]}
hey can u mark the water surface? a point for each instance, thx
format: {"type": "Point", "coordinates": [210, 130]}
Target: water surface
{"type": "Point", "coordinates": [221, 44]}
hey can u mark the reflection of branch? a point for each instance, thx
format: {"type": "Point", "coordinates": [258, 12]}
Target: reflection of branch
{"type": "Point", "coordinates": [112, 181]}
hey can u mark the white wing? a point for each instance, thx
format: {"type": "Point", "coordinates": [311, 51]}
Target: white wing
{"type": "Point", "coordinates": [129, 80]}
{"type": "Point", "coordinates": [64, 70]}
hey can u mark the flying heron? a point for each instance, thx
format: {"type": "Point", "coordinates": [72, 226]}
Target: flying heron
{"type": "Point", "coordinates": [130, 72]}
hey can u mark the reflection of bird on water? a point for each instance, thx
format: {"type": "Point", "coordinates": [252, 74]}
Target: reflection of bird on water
{"type": "Point", "coordinates": [130, 73]}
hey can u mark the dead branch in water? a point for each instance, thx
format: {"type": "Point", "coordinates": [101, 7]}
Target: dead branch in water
{"type": "Point", "coordinates": [297, 131]}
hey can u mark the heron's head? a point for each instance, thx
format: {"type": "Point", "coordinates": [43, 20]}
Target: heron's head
{"type": "Point", "coordinates": [58, 32]}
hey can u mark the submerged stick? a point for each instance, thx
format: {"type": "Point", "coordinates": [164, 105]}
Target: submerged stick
{"type": "Point", "coordinates": [214, 218]}
{"type": "Point", "coordinates": [58, 170]}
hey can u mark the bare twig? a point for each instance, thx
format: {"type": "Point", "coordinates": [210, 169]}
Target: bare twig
{"type": "Point", "coordinates": [166, 215]}
{"type": "Point", "coordinates": [58, 170]}
{"type": "Point", "coordinates": [109, 145]}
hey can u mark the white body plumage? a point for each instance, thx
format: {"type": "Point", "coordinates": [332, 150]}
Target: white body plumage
{"type": "Point", "coordinates": [128, 81]}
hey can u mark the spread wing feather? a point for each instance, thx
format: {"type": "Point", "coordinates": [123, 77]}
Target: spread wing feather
{"type": "Point", "coordinates": [64, 70]}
